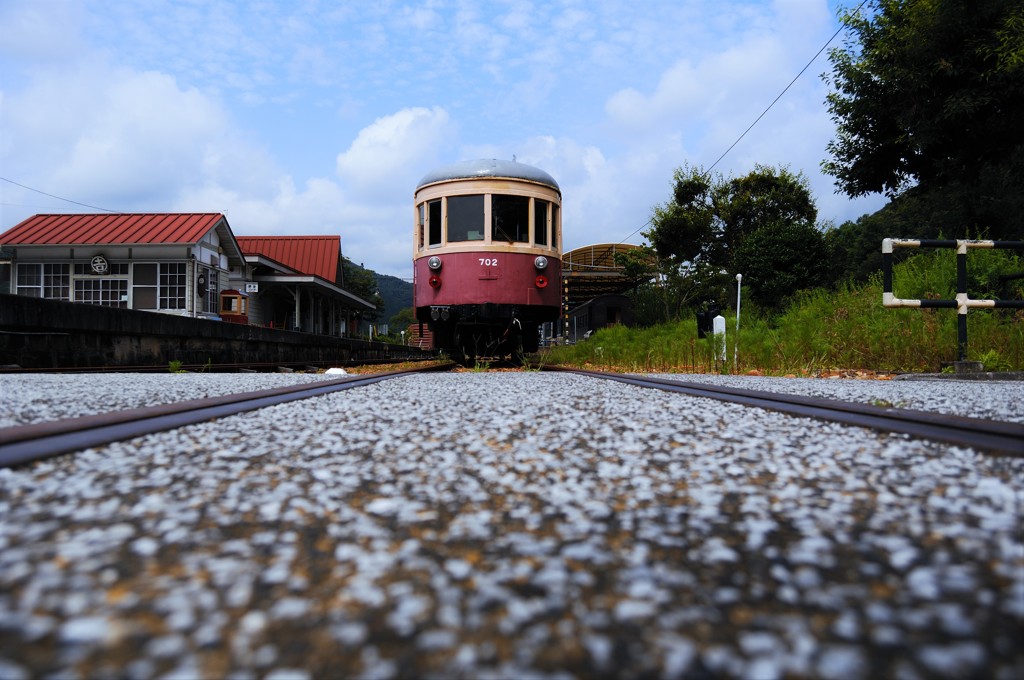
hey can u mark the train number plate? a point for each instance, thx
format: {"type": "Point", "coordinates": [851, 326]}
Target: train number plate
{"type": "Point", "coordinates": [489, 268]}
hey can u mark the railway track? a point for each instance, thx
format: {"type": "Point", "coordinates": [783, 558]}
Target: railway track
{"type": "Point", "coordinates": [988, 435]}
{"type": "Point", "coordinates": [29, 443]}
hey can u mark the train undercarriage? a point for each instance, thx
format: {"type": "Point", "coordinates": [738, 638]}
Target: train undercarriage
{"type": "Point", "coordinates": [470, 333]}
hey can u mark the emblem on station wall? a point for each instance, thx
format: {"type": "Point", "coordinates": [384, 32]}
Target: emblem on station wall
{"type": "Point", "coordinates": [99, 265]}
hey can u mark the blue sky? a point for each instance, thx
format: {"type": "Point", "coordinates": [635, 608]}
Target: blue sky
{"type": "Point", "coordinates": [316, 117]}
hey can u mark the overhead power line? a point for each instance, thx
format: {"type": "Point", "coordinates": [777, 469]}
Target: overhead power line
{"type": "Point", "coordinates": [59, 198]}
{"type": "Point", "coordinates": [784, 90]}
{"type": "Point", "coordinates": [767, 109]}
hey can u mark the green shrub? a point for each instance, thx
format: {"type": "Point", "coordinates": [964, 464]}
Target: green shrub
{"type": "Point", "coordinates": [843, 328]}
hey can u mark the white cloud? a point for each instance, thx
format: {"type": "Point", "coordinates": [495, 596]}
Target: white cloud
{"type": "Point", "coordinates": [113, 136]}
{"type": "Point", "coordinates": [138, 135]}
{"type": "Point", "coordinates": [392, 152]}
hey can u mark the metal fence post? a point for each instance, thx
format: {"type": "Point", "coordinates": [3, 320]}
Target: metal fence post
{"type": "Point", "coordinates": [962, 303]}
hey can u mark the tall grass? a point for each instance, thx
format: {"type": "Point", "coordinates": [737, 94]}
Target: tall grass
{"type": "Point", "coordinates": [846, 328]}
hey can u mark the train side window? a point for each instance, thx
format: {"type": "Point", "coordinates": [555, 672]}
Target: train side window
{"type": "Point", "coordinates": [434, 222]}
{"type": "Point", "coordinates": [540, 222]}
{"type": "Point", "coordinates": [554, 225]}
{"type": "Point", "coordinates": [510, 218]}
{"type": "Point", "coordinates": [466, 218]}
{"type": "Point", "coordinates": [420, 219]}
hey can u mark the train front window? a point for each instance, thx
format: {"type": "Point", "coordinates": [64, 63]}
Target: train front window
{"type": "Point", "coordinates": [510, 218]}
{"type": "Point", "coordinates": [466, 218]}
{"type": "Point", "coordinates": [434, 222]}
{"type": "Point", "coordinates": [540, 222]}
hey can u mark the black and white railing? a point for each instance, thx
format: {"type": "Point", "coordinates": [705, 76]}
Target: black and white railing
{"type": "Point", "coordinates": [962, 302]}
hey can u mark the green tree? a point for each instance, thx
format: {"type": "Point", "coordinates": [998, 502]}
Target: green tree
{"type": "Point", "coordinates": [782, 258]}
{"type": "Point", "coordinates": [360, 281]}
{"type": "Point", "coordinates": [686, 228]}
{"type": "Point", "coordinates": [402, 320]}
{"type": "Point", "coordinates": [699, 233]}
{"type": "Point", "coordinates": [766, 196]}
{"type": "Point", "coordinates": [927, 96]}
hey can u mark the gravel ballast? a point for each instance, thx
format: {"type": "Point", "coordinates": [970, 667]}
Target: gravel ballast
{"type": "Point", "coordinates": [507, 525]}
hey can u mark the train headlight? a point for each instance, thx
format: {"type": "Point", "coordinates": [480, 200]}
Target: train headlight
{"type": "Point", "coordinates": [434, 263]}
{"type": "Point", "coordinates": [540, 262]}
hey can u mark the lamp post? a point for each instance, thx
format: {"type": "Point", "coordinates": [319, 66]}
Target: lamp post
{"type": "Point", "coordinates": [736, 342]}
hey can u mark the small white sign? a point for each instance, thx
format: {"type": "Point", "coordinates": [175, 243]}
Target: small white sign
{"type": "Point", "coordinates": [252, 287]}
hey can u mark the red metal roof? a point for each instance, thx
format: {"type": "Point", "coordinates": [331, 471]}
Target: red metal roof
{"type": "Point", "coordinates": [106, 229]}
{"type": "Point", "coordinates": [311, 255]}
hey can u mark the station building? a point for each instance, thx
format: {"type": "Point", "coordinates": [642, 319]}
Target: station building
{"type": "Point", "coordinates": [185, 264]}
{"type": "Point", "coordinates": [297, 283]}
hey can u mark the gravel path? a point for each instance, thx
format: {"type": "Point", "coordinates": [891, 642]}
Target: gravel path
{"type": "Point", "coordinates": [33, 398]}
{"type": "Point", "coordinates": [509, 525]}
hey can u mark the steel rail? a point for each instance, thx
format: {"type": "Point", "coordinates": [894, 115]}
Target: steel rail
{"type": "Point", "coordinates": [30, 443]}
{"type": "Point", "coordinates": [988, 435]}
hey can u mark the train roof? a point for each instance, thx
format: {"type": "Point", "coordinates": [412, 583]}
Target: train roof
{"type": "Point", "coordinates": [489, 167]}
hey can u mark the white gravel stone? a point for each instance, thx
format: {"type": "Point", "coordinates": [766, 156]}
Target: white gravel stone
{"type": "Point", "coordinates": [504, 524]}
{"type": "Point", "coordinates": [85, 630]}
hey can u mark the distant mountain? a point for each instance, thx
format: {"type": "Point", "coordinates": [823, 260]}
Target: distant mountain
{"type": "Point", "coordinates": [397, 294]}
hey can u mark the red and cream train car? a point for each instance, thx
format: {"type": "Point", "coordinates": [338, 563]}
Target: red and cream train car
{"type": "Point", "coordinates": [486, 256]}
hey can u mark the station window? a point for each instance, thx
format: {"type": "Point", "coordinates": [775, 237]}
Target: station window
{"type": "Point", "coordinates": [158, 286]}
{"type": "Point", "coordinates": [51, 281]}
{"type": "Point", "coordinates": [144, 286]}
{"type": "Point", "coordinates": [540, 222]}
{"type": "Point", "coordinates": [106, 292]}
{"type": "Point", "coordinates": [434, 222]}
{"type": "Point", "coordinates": [466, 218]}
{"type": "Point", "coordinates": [510, 218]}
{"type": "Point", "coordinates": [172, 285]}
{"type": "Point", "coordinates": [212, 301]}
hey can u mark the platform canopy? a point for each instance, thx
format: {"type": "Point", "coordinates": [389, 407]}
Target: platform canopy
{"type": "Point", "coordinates": [591, 271]}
